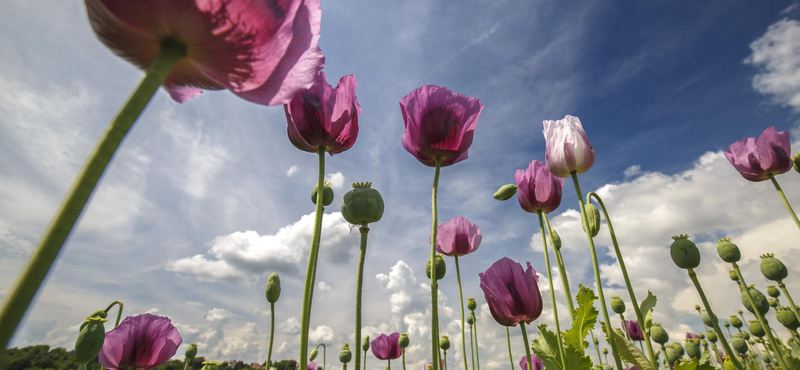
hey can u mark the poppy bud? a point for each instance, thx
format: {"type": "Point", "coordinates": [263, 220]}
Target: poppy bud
{"type": "Point", "coordinates": [773, 291]}
{"type": "Point", "coordinates": [739, 344]}
{"type": "Point", "coordinates": [787, 318]}
{"type": "Point", "coordinates": [403, 341]}
{"type": "Point", "coordinates": [191, 352]}
{"type": "Point", "coordinates": [444, 344]}
{"type": "Point", "coordinates": [756, 329]}
{"type": "Point", "coordinates": [592, 219]}
{"type": "Point", "coordinates": [796, 162]}
{"type": "Point", "coordinates": [441, 268]}
{"type": "Point", "coordinates": [210, 365]}
{"type": "Point", "coordinates": [705, 343]}
{"type": "Point", "coordinates": [327, 194]}
{"type": "Point", "coordinates": [728, 251]}
{"type": "Point", "coordinates": [692, 348]}
{"type": "Point", "coordinates": [362, 205]}
{"type": "Point", "coordinates": [471, 304]}
{"type": "Point", "coordinates": [617, 304]}
{"type": "Point", "coordinates": [605, 351]}
{"type": "Point", "coordinates": [773, 268]}
{"type": "Point", "coordinates": [365, 343]}
{"type": "Point", "coordinates": [773, 302]}
{"type": "Point", "coordinates": [345, 355]}
{"type": "Point", "coordinates": [706, 318]}
{"type": "Point", "coordinates": [697, 307]}
{"type": "Point", "coordinates": [505, 192]}
{"type": "Point", "coordinates": [471, 318]}
{"type": "Point", "coordinates": [746, 335]}
{"type": "Point", "coordinates": [273, 291]}
{"type": "Point", "coordinates": [684, 252]}
{"type": "Point", "coordinates": [90, 340]}
{"type": "Point", "coordinates": [99, 313]}
{"type": "Point", "coordinates": [712, 336]}
{"type": "Point", "coordinates": [726, 324]}
{"type": "Point", "coordinates": [759, 299]}
{"type": "Point", "coordinates": [556, 239]}
{"type": "Point", "coordinates": [733, 276]}
{"type": "Point", "coordinates": [658, 334]}
{"type": "Point", "coordinates": [728, 365]}
{"type": "Point", "coordinates": [313, 354]}
{"type": "Point", "coordinates": [736, 322]}
{"type": "Point", "coordinates": [596, 341]}
{"type": "Point", "coordinates": [701, 336]}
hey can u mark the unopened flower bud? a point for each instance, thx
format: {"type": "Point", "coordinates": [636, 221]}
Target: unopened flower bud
{"type": "Point", "coordinates": [191, 352]}
{"type": "Point", "coordinates": [313, 354]}
{"type": "Point", "coordinates": [90, 340]}
{"type": "Point", "coordinates": [773, 302]}
{"type": "Point", "coordinates": [273, 291]}
{"type": "Point", "coordinates": [471, 304]}
{"type": "Point", "coordinates": [746, 335]}
{"type": "Point", "coordinates": [726, 324]}
{"type": "Point", "coordinates": [773, 268]}
{"type": "Point", "coordinates": [728, 251]}
{"type": "Point", "coordinates": [701, 335]}
{"type": "Point", "coordinates": [739, 344]}
{"type": "Point", "coordinates": [592, 219]}
{"type": "Point", "coordinates": [365, 343]}
{"type": "Point", "coordinates": [697, 307]}
{"type": "Point", "coordinates": [444, 344]}
{"type": "Point", "coordinates": [210, 365]}
{"type": "Point", "coordinates": [658, 334]}
{"type": "Point", "coordinates": [403, 341]}
{"type": "Point", "coordinates": [756, 329]}
{"type": "Point", "coordinates": [796, 162]}
{"type": "Point", "coordinates": [773, 291]}
{"type": "Point", "coordinates": [596, 341]}
{"type": "Point", "coordinates": [617, 304]}
{"type": "Point", "coordinates": [733, 276]}
{"type": "Point", "coordinates": [712, 336]}
{"type": "Point", "coordinates": [760, 300]}
{"type": "Point", "coordinates": [441, 268]}
{"type": "Point", "coordinates": [787, 318]}
{"type": "Point", "coordinates": [327, 194]}
{"type": "Point", "coordinates": [736, 322]}
{"type": "Point", "coordinates": [705, 343]}
{"type": "Point", "coordinates": [345, 355]}
{"type": "Point", "coordinates": [471, 319]}
{"type": "Point", "coordinates": [605, 351]}
{"type": "Point", "coordinates": [556, 239]}
{"type": "Point", "coordinates": [505, 192]}
{"type": "Point", "coordinates": [728, 364]}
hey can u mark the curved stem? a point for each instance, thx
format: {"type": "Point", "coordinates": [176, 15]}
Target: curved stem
{"type": "Point", "coordinates": [510, 356]}
{"type": "Point", "coordinates": [471, 347]}
{"type": "Point", "coordinates": [527, 346]}
{"type": "Point", "coordinates": [311, 270]}
{"type": "Point", "coordinates": [596, 268]}
{"type": "Point", "coordinates": [434, 282]}
{"type": "Point", "coordinates": [359, 284]}
{"type": "Point", "coordinates": [561, 270]}
{"type": "Point", "coordinates": [477, 348]}
{"type": "Point", "coordinates": [723, 341]}
{"type": "Point", "coordinates": [635, 303]}
{"type": "Point", "coordinates": [324, 354]}
{"type": "Point", "coordinates": [791, 301]}
{"type": "Point", "coordinates": [271, 333]}
{"type": "Point", "coordinates": [785, 201]}
{"type": "Point", "coordinates": [552, 291]}
{"type": "Point", "coordinates": [119, 312]}
{"type": "Point", "coordinates": [43, 258]}
{"type": "Point", "coordinates": [461, 301]}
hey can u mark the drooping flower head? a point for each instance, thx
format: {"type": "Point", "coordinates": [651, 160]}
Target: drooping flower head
{"type": "Point", "coordinates": [567, 147]}
{"type": "Point", "coordinates": [439, 123]}
{"type": "Point", "coordinates": [387, 347]}
{"type": "Point", "coordinates": [538, 189]}
{"type": "Point", "coordinates": [634, 330]}
{"type": "Point", "coordinates": [536, 363]}
{"type": "Point", "coordinates": [323, 116]}
{"type": "Point", "coordinates": [756, 159]}
{"type": "Point", "coordinates": [143, 341]}
{"type": "Point", "coordinates": [458, 237]}
{"type": "Point", "coordinates": [263, 51]}
{"type": "Point", "coordinates": [511, 292]}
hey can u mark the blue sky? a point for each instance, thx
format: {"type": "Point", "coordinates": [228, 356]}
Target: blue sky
{"type": "Point", "coordinates": [207, 198]}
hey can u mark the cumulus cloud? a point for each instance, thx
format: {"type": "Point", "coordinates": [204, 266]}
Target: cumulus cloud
{"type": "Point", "coordinates": [291, 326]}
{"type": "Point", "coordinates": [291, 171]}
{"type": "Point", "coordinates": [321, 334]}
{"type": "Point", "coordinates": [336, 179]}
{"type": "Point", "coordinates": [632, 171]}
{"type": "Point", "coordinates": [323, 287]}
{"type": "Point", "coordinates": [776, 54]}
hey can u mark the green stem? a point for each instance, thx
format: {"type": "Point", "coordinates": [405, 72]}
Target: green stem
{"type": "Point", "coordinates": [43, 258]}
{"type": "Point", "coordinates": [561, 270]}
{"type": "Point", "coordinates": [324, 355]}
{"type": "Point", "coordinates": [461, 301]}
{"type": "Point", "coordinates": [596, 268]}
{"type": "Point", "coordinates": [729, 332]}
{"type": "Point", "coordinates": [635, 303]}
{"type": "Point", "coordinates": [445, 360]}
{"type": "Point", "coordinates": [596, 348]}
{"type": "Point", "coordinates": [471, 347]}
{"type": "Point", "coordinates": [761, 319]}
{"type": "Point", "coordinates": [359, 284]}
{"type": "Point", "coordinates": [791, 301]}
{"type": "Point", "coordinates": [510, 356]}
{"type": "Point", "coordinates": [186, 365]}
{"type": "Point", "coordinates": [271, 333]}
{"type": "Point", "coordinates": [527, 345]}
{"type": "Point", "coordinates": [389, 363]}
{"type": "Point", "coordinates": [404, 359]}
{"type": "Point", "coordinates": [785, 201]}
{"type": "Point", "coordinates": [311, 270]}
{"type": "Point", "coordinates": [434, 282]}
{"type": "Point", "coordinates": [552, 291]}
{"type": "Point", "coordinates": [81, 366]}
{"type": "Point", "coordinates": [624, 326]}
{"type": "Point", "coordinates": [119, 312]}
{"type": "Point", "coordinates": [365, 360]}
{"type": "Point", "coordinates": [666, 362]}
{"type": "Point", "coordinates": [477, 348]}
{"type": "Point", "coordinates": [722, 340]}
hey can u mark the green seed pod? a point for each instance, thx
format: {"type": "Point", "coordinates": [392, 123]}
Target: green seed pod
{"type": "Point", "coordinates": [595, 340]}
{"type": "Point", "coordinates": [556, 239]}
{"type": "Point", "coordinates": [773, 302]}
{"type": "Point", "coordinates": [313, 354]}
{"type": "Point", "coordinates": [773, 268]}
{"type": "Point", "coordinates": [273, 290]}
{"type": "Point", "coordinates": [191, 352]}
{"type": "Point", "coordinates": [728, 365]}
{"type": "Point", "coordinates": [739, 344]}
{"type": "Point", "coordinates": [712, 336]}
{"type": "Point", "coordinates": [605, 351]}
{"type": "Point", "coordinates": [617, 304]}
{"type": "Point", "coordinates": [471, 304]}
{"type": "Point", "coordinates": [787, 318]}
{"type": "Point", "coordinates": [471, 318]}
{"type": "Point", "coordinates": [684, 252]}
{"type": "Point", "coordinates": [345, 355]}
{"type": "Point", "coordinates": [746, 335]}
{"type": "Point", "coordinates": [758, 297]}
{"type": "Point", "coordinates": [705, 343]}
{"type": "Point", "coordinates": [697, 306]}
{"type": "Point", "coordinates": [739, 312]}
{"type": "Point", "coordinates": [362, 205]}
{"type": "Point", "coordinates": [441, 268]}
{"type": "Point", "coordinates": [592, 218]}
{"type": "Point", "coordinates": [701, 336]}
{"type": "Point", "coordinates": [796, 162]}
{"type": "Point", "coordinates": [692, 347]}
{"type": "Point", "coordinates": [756, 329]}
{"type": "Point", "coordinates": [736, 322]}
{"type": "Point", "coordinates": [99, 313]}
{"type": "Point", "coordinates": [210, 365]}
{"type": "Point", "coordinates": [773, 291]}
{"type": "Point", "coordinates": [505, 192]}
{"type": "Point", "coordinates": [726, 324]}
{"type": "Point", "coordinates": [732, 275]}
{"type": "Point", "coordinates": [90, 340]}
{"type": "Point", "coordinates": [658, 334]}
{"type": "Point", "coordinates": [444, 344]}
{"type": "Point", "coordinates": [678, 349]}
{"type": "Point", "coordinates": [327, 194]}
{"type": "Point", "coordinates": [728, 251]}
{"type": "Point", "coordinates": [706, 318]}
{"type": "Point", "coordinates": [403, 341]}
{"type": "Point", "coordinates": [365, 343]}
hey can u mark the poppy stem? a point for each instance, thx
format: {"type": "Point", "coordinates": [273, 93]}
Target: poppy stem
{"type": "Point", "coordinates": [271, 333]}
{"type": "Point", "coordinates": [404, 359]}
{"type": "Point", "coordinates": [761, 319]}
{"type": "Point", "coordinates": [596, 348]}
{"type": "Point", "coordinates": [365, 359]}
{"type": "Point", "coordinates": [43, 258]}
{"type": "Point", "coordinates": [434, 282]}
{"type": "Point", "coordinates": [552, 291]}
{"type": "Point", "coordinates": [510, 356]}
{"type": "Point", "coordinates": [785, 201]}
{"type": "Point", "coordinates": [311, 270]}
{"type": "Point", "coordinates": [561, 270]}
{"type": "Point", "coordinates": [119, 313]}
{"type": "Point", "coordinates": [596, 267]}
{"type": "Point", "coordinates": [388, 364]}
{"type": "Point", "coordinates": [624, 326]}
{"type": "Point", "coordinates": [471, 346]}
{"type": "Point", "coordinates": [791, 301]}
{"type": "Point", "coordinates": [636, 309]}
{"type": "Point", "coordinates": [725, 346]}
{"type": "Point", "coordinates": [359, 284]}
{"type": "Point", "coordinates": [527, 345]}
{"type": "Point", "coordinates": [477, 348]}
{"type": "Point", "coordinates": [445, 360]}
{"type": "Point", "coordinates": [461, 300]}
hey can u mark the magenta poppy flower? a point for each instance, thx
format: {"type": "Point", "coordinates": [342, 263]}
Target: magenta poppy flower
{"type": "Point", "coordinates": [634, 330]}
{"type": "Point", "coordinates": [511, 292]}
{"type": "Point", "coordinates": [538, 189]}
{"type": "Point", "coordinates": [140, 342]}
{"type": "Point", "coordinates": [263, 51]}
{"type": "Point", "coordinates": [458, 237]}
{"type": "Point", "coordinates": [425, 367]}
{"type": "Point", "coordinates": [536, 363]}
{"type": "Point", "coordinates": [692, 336]}
{"type": "Point", "coordinates": [386, 347]}
{"type": "Point", "coordinates": [309, 365]}
{"type": "Point", "coordinates": [567, 147]}
{"type": "Point", "coordinates": [323, 116]}
{"type": "Point", "coordinates": [439, 123]}
{"type": "Point", "coordinates": [756, 159]}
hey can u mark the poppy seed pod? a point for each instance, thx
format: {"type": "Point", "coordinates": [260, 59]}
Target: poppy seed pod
{"type": "Point", "coordinates": [617, 304]}
{"type": "Point", "coordinates": [739, 344]}
{"type": "Point", "coordinates": [210, 365]}
{"type": "Point", "coordinates": [773, 268]}
{"type": "Point", "coordinates": [787, 318]}
{"type": "Point", "coordinates": [746, 335]}
{"type": "Point", "coordinates": [441, 268]}
{"type": "Point", "coordinates": [736, 322]}
{"type": "Point", "coordinates": [678, 347]}
{"type": "Point", "coordinates": [313, 355]}
{"type": "Point", "coordinates": [692, 347]}
{"type": "Point", "coordinates": [403, 341]}
{"type": "Point", "coordinates": [471, 319]}
{"type": "Point", "coordinates": [697, 306]}
{"type": "Point", "coordinates": [444, 344]}
{"type": "Point", "coordinates": [556, 239]}
{"type": "Point", "coordinates": [701, 336]}
{"type": "Point", "coordinates": [362, 205]}
{"type": "Point", "coordinates": [273, 291]}
{"type": "Point", "coordinates": [773, 302]}
{"type": "Point", "coordinates": [672, 354]}
{"type": "Point", "coordinates": [796, 162]}
{"type": "Point", "coordinates": [726, 324]}
{"type": "Point", "coordinates": [505, 192]}
{"type": "Point", "coordinates": [728, 364]}
{"type": "Point", "coordinates": [728, 251]}
{"type": "Point", "coordinates": [365, 343]}
{"type": "Point", "coordinates": [756, 329]}
{"type": "Point", "coordinates": [733, 276]}
{"type": "Point", "coordinates": [712, 336]}
{"type": "Point", "coordinates": [605, 351]}
{"type": "Point", "coordinates": [327, 194]}
{"type": "Point", "coordinates": [471, 304]}
{"type": "Point", "coordinates": [345, 355]}
{"type": "Point", "coordinates": [706, 318]}
{"type": "Point", "coordinates": [191, 352]}
{"type": "Point", "coordinates": [773, 291]}
{"type": "Point", "coordinates": [90, 340]}
{"type": "Point", "coordinates": [658, 334]}
{"type": "Point", "coordinates": [759, 299]}
{"type": "Point", "coordinates": [99, 313]}
{"type": "Point", "coordinates": [684, 252]}
{"type": "Point", "coordinates": [592, 219]}
{"type": "Point", "coordinates": [705, 343]}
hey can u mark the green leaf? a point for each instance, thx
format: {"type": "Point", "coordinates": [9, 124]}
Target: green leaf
{"type": "Point", "coordinates": [585, 318]}
{"type": "Point", "coordinates": [705, 357]}
{"type": "Point", "coordinates": [647, 306]}
{"type": "Point", "coordinates": [629, 352]}
{"type": "Point", "coordinates": [795, 348]}
{"type": "Point", "coordinates": [694, 365]}
{"type": "Point", "coordinates": [546, 348]}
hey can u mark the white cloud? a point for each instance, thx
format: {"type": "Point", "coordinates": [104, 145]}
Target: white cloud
{"type": "Point", "coordinates": [321, 334]}
{"type": "Point", "coordinates": [291, 171]}
{"type": "Point", "coordinates": [336, 180]}
{"type": "Point", "coordinates": [776, 54]}
{"type": "Point", "coordinates": [291, 326]}
{"type": "Point", "coordinates": [323, 287]}
{"type": "Point", "coordinates": [632, 171]}
{"type": "Point", "coordinates": [217, 314]}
